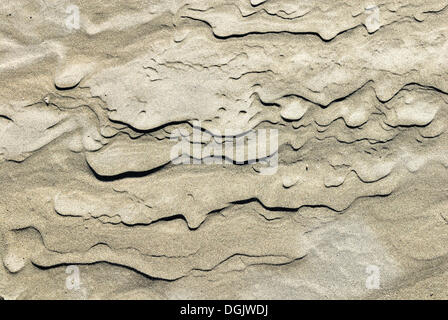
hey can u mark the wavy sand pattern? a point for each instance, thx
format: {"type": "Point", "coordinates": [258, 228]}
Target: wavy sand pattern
{"type": "Point", "coordinates": [94, 96]}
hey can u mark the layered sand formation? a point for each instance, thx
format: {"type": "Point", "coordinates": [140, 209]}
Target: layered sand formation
{"type": "Point", "coordinates": [94, 96]}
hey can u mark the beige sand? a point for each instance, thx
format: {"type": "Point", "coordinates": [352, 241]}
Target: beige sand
{"type": "Point", "coordinates": [348, 201]}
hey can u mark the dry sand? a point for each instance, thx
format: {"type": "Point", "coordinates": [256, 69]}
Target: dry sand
{"type": "Point", "coordinates": [349, 201]}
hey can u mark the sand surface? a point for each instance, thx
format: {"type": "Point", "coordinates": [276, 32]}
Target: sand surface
{"type": "Point", "coordinates": [129, 167]}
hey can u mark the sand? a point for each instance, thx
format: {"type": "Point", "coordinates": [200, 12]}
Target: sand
{"type": "Point", "coordinates": [247, 149]}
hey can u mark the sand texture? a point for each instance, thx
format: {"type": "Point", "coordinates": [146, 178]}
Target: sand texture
{"type": "Point", "coordinates": [121, 176]}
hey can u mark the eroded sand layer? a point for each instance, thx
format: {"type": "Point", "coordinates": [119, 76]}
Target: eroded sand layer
{"type": "Point", "coordinates": [116, 180]}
